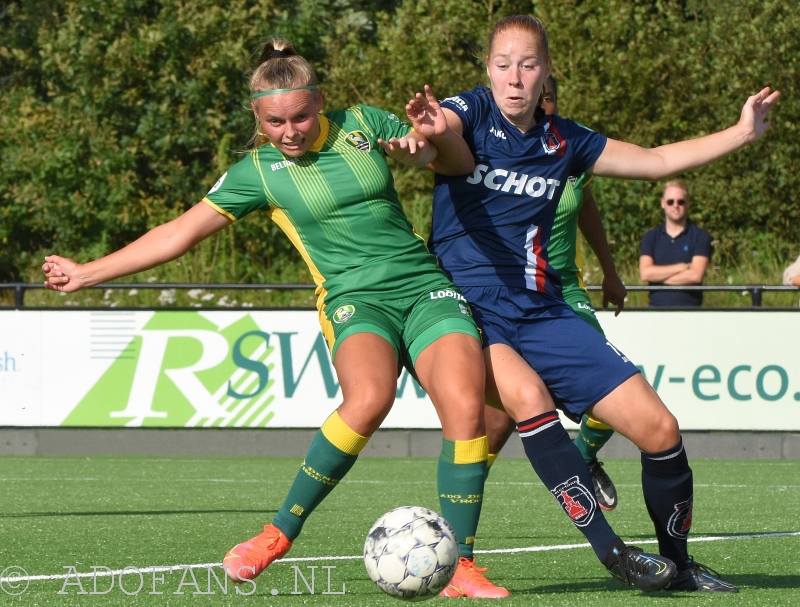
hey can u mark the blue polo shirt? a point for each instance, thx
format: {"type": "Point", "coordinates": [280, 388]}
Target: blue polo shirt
{"type": "Point", "coordinates": [666, 250]}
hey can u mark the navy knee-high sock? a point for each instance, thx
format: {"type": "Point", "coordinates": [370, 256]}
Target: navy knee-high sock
{"type": "Point", "coordinates": [559, 464]}
{"type": "Point", "coordinates": [668, 492]}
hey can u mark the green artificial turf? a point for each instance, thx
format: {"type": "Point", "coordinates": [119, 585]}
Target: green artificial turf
{"type": "Point", "coordinates": [117, 512]}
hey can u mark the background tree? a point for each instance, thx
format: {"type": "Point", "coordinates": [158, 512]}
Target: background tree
{"type": "Point", "coordinates": [117, 115]}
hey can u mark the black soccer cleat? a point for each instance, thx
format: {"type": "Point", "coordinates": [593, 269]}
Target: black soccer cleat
{"type": "Point", "coordinates": [647, 572]}
{"type": "Point", "coordinates": [604, 490]}
{"type": "Point", "coordinates": [700, 578]}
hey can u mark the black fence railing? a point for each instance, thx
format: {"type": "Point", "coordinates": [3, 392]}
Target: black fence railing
{"type": "Point", "coordinates": [756, 292]}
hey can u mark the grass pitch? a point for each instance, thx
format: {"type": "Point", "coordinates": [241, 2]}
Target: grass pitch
{"type": "Point", "coordinates": [62, 515]}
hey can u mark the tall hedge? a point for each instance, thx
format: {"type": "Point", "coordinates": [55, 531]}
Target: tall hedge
{"type": "Point", "coordinates": [116, 115]}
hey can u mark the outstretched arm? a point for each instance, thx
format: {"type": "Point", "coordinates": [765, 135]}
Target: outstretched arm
{"type": "Point", "coordinates": [591, 225]}
{"type": "Point", "coordinates": [160, 245]}
{"type": "Point", "coordinates": [412, 149]}
{"type": "Point", "coordinates": [437, 125]}
{"type": "Point", "coordinates": [629, 161]}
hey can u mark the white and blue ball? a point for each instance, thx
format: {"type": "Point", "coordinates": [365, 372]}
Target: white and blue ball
{"type": "Point", "coordinates": [411, 553]}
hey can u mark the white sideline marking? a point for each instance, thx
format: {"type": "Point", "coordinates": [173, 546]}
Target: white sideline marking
{"type": "Point", "coordinates": [534, 484]}
{"type": "Point", "coordinates": [137, 571]}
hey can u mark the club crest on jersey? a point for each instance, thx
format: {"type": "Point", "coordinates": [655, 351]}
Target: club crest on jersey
{"type": "Point", "coordinates": [681, 520]}
{"type": "Point", "coordinates": [343, 314]}
{"type": "Point", "coordinates": [550, 143]}
{"type": "Point", "coordinates": [358, 140]}
{"type": "Point", "coordinates": [576, 500]}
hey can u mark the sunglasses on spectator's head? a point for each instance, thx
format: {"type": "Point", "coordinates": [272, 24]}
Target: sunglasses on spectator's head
{"type": "Point", "coordinates": [680, 201]}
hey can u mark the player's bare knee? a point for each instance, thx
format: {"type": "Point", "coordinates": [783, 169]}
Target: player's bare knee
{"type": "Point", "coordinates": [663, 433]}
{"type": "Point", "coordinates": [533, 399]}
{"type": "Point", "coordinates": [366, 407]}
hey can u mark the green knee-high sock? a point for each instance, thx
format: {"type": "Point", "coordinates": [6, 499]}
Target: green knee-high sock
{"type": "Point", "coordinates": [591, 438]}
{"type": "Point", "coordinates": [332, 453]}
{"type": "Point", "coordinates": [461, 475]}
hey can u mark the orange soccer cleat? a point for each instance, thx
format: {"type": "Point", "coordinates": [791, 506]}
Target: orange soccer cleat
{"type": "Point", "coordinates": [469, 581]}
{"type": "Point", "coordinates": [247, 560]}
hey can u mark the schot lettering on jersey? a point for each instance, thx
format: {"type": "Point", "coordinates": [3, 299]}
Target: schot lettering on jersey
{"type": "Point", "coordinates": [576, 500]}
{"type": "Point", "coordinates": [510, 181]}
{"type": "Point", "coordinates": [680, 522]}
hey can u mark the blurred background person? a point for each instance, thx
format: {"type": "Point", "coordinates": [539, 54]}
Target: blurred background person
{"type": "Point", "coordinates": [676, 252]}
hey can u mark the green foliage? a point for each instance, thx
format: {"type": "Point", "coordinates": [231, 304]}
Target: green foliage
{"type": "Point", "coordinates": [117, 115]}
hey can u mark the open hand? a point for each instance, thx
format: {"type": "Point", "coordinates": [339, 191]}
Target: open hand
{"type": "Point", "coordinates": [755, 111]}
{"type": "Point", "coordinates": [405, 149]}
{"type": "Point", "coordinates": [425, 114]}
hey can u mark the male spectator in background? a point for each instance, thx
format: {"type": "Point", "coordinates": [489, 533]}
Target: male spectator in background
{"type": "Point", "coordinates": [676, 252]}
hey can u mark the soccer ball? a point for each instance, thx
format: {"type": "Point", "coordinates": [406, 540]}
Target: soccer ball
{"type": "Point", "coordinates": [411, 553]}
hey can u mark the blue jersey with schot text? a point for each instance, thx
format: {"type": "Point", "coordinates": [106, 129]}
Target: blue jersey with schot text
{"type": "Point", "coordinates": [492, 227]}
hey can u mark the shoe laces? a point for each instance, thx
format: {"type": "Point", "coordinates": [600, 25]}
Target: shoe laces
{"type": "Point", "coordinates": [597, 469]}
{"type": "Point", "coordinates": [703, 568]}
{"type": "Point", "coordinates": [264, 547]}
{"type": "Point", "coordinates": [630, 563]}
{"type": "Point", "coordinates": [475, 573]}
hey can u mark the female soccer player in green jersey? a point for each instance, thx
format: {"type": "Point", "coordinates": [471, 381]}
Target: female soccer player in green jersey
{"type": "Point", "coordinates": [383, 301]}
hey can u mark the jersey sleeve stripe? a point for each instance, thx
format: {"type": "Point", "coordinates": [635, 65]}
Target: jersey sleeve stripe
{"type": "Point", "coordinates": [219, 210]}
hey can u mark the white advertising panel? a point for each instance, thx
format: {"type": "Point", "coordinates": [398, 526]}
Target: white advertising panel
{"type": "Point", "coordinates": [717, 370]}
{"type": "Point", "coordinates": [714, 370]}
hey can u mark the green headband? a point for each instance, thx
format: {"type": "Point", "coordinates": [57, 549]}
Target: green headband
{"type": "Point", "coordinates": [310, 87]}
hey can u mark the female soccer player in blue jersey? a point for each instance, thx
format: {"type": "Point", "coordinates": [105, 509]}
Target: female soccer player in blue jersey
{"type": "Point", "coordinates": [382, 299]}
{"type": "Point", "coordinates": [490, 231]}
{"type": "Point", "coordinates": [576, 208]}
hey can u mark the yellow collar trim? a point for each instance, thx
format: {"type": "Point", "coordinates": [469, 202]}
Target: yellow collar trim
{"type": "Point", "coordinates": [324, 129]}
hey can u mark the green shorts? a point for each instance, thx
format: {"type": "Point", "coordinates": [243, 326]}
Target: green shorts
{"type": "Point", "coordinates": [577, 297]}
{"type": "Point", "coordinates": [410, 324]}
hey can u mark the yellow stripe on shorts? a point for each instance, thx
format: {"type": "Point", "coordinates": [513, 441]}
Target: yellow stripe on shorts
{"type": "Point", "coordinates": [596, 424]}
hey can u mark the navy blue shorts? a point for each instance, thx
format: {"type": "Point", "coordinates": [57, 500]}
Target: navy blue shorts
{"type": "Point", "coordinates": [579, 365]}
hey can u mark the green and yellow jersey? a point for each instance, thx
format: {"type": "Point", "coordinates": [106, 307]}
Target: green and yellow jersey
{"type": "Point", "coordinates": [338, 206]}
{"type": "Point", "coordinates": [563, 247]}
{"type": "Point", "coordinates": [565, 255]}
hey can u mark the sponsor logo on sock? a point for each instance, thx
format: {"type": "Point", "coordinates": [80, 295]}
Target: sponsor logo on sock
{"type": "Point", "coordinates": [681, 520]}
{"type": "Point", "coordinates": [576, 500]}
